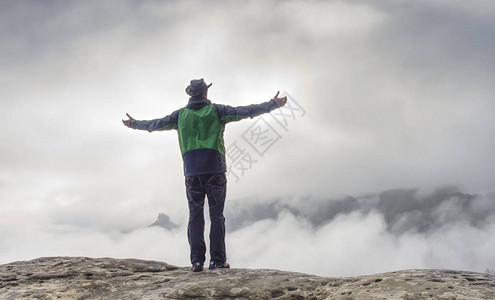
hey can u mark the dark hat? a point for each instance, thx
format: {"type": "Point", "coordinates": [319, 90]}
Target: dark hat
{"type": "Point", "coordinates": [197, 87]}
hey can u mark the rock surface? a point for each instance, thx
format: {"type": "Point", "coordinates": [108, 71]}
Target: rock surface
{"type": "Point", "coordinates": [108, 278]}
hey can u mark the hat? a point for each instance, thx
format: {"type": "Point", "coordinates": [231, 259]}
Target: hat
{"type": "Point", "coordinates": [197, 87]}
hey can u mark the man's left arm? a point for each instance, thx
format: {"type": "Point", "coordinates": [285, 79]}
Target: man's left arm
{"type": "Point", "coordinates": [231, 114]}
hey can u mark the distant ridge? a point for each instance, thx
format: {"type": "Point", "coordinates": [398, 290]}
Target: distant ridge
{"type": "Point", "coordinates": [164, 221]}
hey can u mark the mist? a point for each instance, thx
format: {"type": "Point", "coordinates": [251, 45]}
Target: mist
{"type": "Point", "coordinates": [348, 236]}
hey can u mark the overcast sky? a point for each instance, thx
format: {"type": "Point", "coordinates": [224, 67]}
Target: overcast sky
{"type": "Point", "coordinates": [383, 95]}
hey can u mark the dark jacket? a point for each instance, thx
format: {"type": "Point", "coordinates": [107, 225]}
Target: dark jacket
{"type": "Point", "coordinates": [200, 126]}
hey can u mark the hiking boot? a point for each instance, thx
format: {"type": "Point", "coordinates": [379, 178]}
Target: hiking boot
{"type": "Point", "coordinates": [197, 267]}
{"type": "Point", "coordinates": [214, 265]}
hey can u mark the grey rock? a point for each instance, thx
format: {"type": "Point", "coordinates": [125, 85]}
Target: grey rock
{"type": "Point", "coordinates": [109, 278]}
{"type": "Point", "coordinates": [164, 221]}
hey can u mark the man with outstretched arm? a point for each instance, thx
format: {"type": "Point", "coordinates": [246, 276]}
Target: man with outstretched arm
{"type": "Point", "coordinates": [200, 126]}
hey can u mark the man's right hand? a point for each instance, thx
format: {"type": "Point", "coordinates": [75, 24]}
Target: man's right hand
{"type": "Point", "coordinates": [128, 122]}
{"type": "Point", "coordinates": [280, 101]}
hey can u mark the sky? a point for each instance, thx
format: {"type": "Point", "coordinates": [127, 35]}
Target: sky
{"type": "Point", "coordinates": [384, 96]}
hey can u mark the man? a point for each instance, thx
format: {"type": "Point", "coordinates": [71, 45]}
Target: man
{"type": "Point", "coordinates": [200, 126]}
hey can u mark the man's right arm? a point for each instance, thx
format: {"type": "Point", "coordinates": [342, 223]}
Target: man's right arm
{"type": "Point", "coordinates": [166, 123]}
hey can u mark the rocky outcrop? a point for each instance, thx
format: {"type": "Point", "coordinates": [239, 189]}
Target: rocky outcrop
{"type": "Point", "coordinates": [108, 278]}
{"type": "Point", "coordinates": [164, 221]}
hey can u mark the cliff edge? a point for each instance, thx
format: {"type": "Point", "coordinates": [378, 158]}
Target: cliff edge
{"type": "Point", "coordinates": [108, 278]}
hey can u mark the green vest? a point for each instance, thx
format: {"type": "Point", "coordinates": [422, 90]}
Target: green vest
{"type": "Point", "coordinates": [200, 129]}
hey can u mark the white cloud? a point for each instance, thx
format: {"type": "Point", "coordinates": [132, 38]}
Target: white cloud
{"type": "Point", "coordinates": [289, 236]}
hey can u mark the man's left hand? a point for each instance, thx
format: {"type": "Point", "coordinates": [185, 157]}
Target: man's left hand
{"type": "Point", "coordinates": [280, 101]}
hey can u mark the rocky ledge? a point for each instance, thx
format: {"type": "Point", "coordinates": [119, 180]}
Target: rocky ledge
{"type": "Point", "coordinates": [108, 278]}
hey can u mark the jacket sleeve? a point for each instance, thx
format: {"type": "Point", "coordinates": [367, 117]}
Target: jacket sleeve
{"type": "Point", "coordinates": [232, 114]}
{"type": "Point", "coordinates": [166, 123]}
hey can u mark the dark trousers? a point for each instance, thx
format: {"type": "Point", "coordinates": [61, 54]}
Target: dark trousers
{"type": "Point", "coordinates": [214, 186]}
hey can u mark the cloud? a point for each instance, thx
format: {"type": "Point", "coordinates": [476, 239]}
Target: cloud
{"type": "Point", "coordinates": [398, 229]}
{"type": "Point", "coordinates": [357, 243]}
{"type": "Point", "coordinates": [31, 238]}
{"type": "Point", "coordinates": [403, 210]}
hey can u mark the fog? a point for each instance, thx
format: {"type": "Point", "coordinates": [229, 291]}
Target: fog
{"type": "Point", "coordinates": [391, 230]}
{"type": "Point", "coordinates": [395, 229]}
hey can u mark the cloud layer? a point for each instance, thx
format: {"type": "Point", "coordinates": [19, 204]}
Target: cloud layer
{"type": "Point", "coordinates": [395, 229]}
